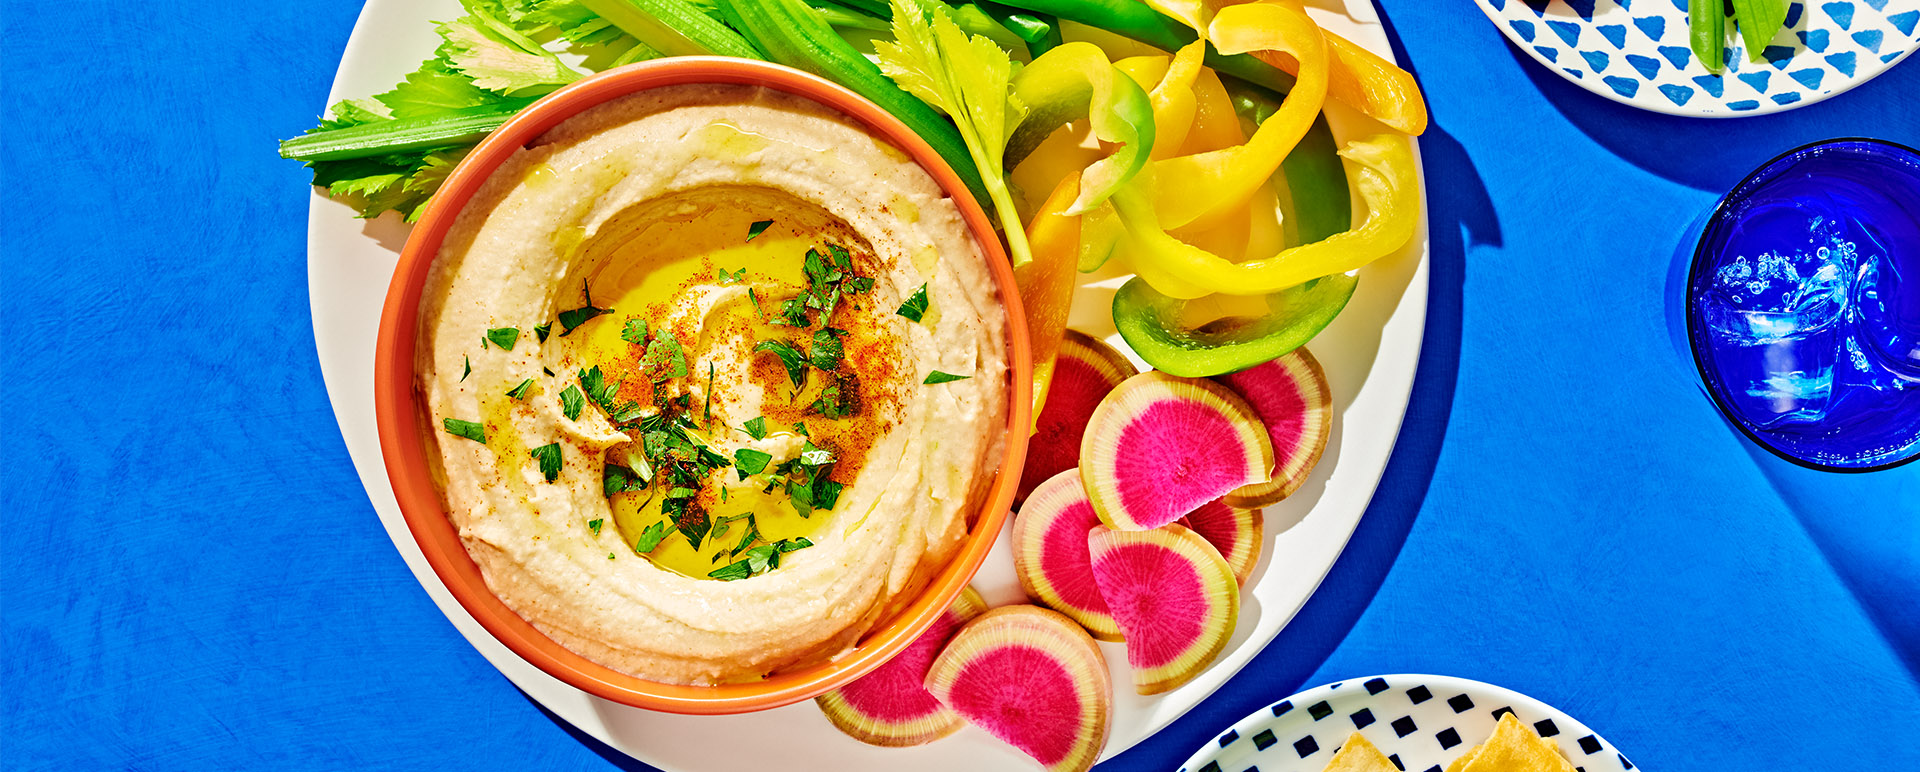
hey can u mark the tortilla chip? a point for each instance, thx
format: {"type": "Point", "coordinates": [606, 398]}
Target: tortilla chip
{"type": "Point", "coordinates": [1513, 748]}
{"type": "Point", "coordinates": [1358, 755]}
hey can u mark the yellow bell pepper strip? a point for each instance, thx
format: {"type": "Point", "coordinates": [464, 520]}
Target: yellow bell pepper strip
{"type": "Point", "coordinates": [1152, 325]}
{"type": "Point", "coordinates": [1046, 282]}
{"type": "Point", "coordinates": [1313, 174]}
{"type": "Point", "coordinates": [1075, 81]}
{"type": "Point", "coordinates": [1173, 101]}
{"type": "Point", "coordinates": [1362, 80]}
{"type": "Point", "coordinates": [1200, 188]}
{"type": "Point", "coordinates": [1064, 153]}
{"type": "Point", "coordinates": [1386, 181]}
{"type": "Point", "coordinates": [1138, 21]}
{"type": "Point", "coordinates": [1216, 127]}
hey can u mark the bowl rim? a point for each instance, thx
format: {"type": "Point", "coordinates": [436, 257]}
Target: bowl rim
{"type": "Point", "coordinates": [397, 405]}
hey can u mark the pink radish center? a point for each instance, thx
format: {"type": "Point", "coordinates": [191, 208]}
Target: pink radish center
{"type": "Point", "coordinates": [1172, 457]}
{"type": "Point", "coordinates": [1064, 561]}
{"type": "Point", "coordinates": [1055, 447]}
{"type": "Point", "coordinates": [1023, 695]}
{"type": "Point", "coordinates": [1158, 599]}
{"type": "Point", "coordinates": [894, 692]}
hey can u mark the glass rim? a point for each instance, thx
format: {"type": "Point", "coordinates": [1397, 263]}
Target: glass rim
{"type": "Point", "coordinates": [1720, 210]}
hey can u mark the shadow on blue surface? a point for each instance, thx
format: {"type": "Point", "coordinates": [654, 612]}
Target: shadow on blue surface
{"type": "Point", "coordinates": [1459, 214]}
{"type": "Point", "coordinates": [1710, 154]}
{"type": "Point", "coordinates": [608, 752]}
{"type": "Point", "coordinates": [1875, 553]}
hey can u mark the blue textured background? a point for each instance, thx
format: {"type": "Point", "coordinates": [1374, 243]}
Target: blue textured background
{"type": "Point", "coordinates": [193, 578]}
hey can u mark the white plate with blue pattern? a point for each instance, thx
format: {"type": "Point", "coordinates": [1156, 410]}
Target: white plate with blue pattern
{"type": "Point", "coordinates": [1636, 51]}
{"type": "Point", "coordinates": [1422, 723]}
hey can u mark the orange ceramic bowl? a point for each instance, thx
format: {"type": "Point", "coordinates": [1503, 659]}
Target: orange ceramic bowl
{"type": "Point", "coordinates": [403, 442]}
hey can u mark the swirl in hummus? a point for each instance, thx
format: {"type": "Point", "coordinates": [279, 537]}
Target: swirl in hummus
{"type": "Point", "coordinates": [691, 420]}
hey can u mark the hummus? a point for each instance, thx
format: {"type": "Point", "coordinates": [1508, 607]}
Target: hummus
{"type": "Point", "coordinates": [684, 424]}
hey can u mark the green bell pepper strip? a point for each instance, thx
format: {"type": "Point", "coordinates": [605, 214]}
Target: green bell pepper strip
{"type": "Point", "coordinates": [1153, 327]}
{"type": "Point", "coordinates": [1137, 20]}
{"type": "Point", "coordinates": [1074, 81]}
{"type": "Point", "coordinates": [673, 27]}
{"type": "Point", "coordinates": [793, 34]}
{"type": "Point", "coordinates": [1315, 176]}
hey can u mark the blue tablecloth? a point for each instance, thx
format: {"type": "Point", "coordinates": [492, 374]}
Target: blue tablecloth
{"type": "Point", "coordinates": [194, 579]}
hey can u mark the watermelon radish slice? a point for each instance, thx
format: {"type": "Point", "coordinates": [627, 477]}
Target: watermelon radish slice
{"type": "Point", "coordinates": [890, 706]}
{"type": "Point", "coordinates": [1291, 396]}
{"type": "Point", "coordinates": [1033, 678]}
{"type": "Point", "coordinates": [1160, 446]}
{"type": "Point", "coordinates": [1083, 372]}
{"type": "Point", "coordinates": [1050, 553]}
{"type": "Point", "coordinates": [1233, 532]}
{"type": "Point", "coordinates": [1173, 596]}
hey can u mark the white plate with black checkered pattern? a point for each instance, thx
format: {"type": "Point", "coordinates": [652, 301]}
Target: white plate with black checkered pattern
{"type": "Point", "coordinates": [1423, 722]}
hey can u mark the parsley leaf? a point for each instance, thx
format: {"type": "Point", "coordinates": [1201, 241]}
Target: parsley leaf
{"type": "Point", "coordinates": [594, 525]}
{"type": "Point", "coordinates": [469, 429]}
{"type": "Point", "coordinates": [759, 560]}
{"type": "Point", "coordinates": [615, 478]}
{"type": "Point", "coordinates": [750, 462]}
{"type": "Point", "coordinates": [504, 337]}
{"type": "Point", "coordinates": [795, 361]}
{"type": "Point", "coordinates": [635, 332]}
{"type": "Point", "coordinates": [827, 349]}
{"type": "Point", "coordinates": [839, 399]}
{"type": "Point", "coordinates": [691, 521]}
{"type": "Point", "coordinates": [573, 318]}
{"type": "Point", "coordinates": [826, 493]}
{"type": "Point", "coordinates": [754, 230]}
{"type": "Point", "coordinates": [665, 359]}
{"type": "Point", "coordinates": [542, 331]}
{"type": "Point", "coordinates": [940, 377]}
{"type": "Point", "coordinates": [468, 371]}
{"type": "Point", "coordinates": [757, 311]}
{"type": "Point", "coordinates": [571, 402]}
{"type": "Point", "coordinates": [520, 392]}
{"type": "Point", "coordinates": [756, 428]}
{"type": "Point", "coordinates": [549, 457]}
{"type": "Point", "coordinates": [651, 538]}
{"type": "Point", "coordinates": [814, 455]}
{"type": "Point", "coordinates": [732, 278]}
{"type": "Point", "coordinates": [916, 305]}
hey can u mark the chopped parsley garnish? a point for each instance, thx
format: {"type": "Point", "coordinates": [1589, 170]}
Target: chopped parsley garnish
{"type": "Point", "coordinates": [549, 457]}
{"type": "Point", "coordinates": [615, 478]}
{"type": "Point", "coordinates": [826, 493]}
{"type": "Point", "coordinates": [651, 538]}
{"type": "Point", "coordinates": [468, 429]}
{"type": "Point", "coordinates": [756, 428]}
{"type": "Point", "coordinates": [571, 402]}
{"type": "Point", "coordinates": [665, 359]}
{"type": "Point", "coordinates": [755, 297]}
{"type": "Point", "coordinates": [800, 428]}
{"type": "Point", "coordinates": [916, 305]}
{"type": "Point", "coordinates": [813, 455]}
{"type": "Point", "coordinates": [707, 418]}
{"type": "Point", "coordinates": [940, 377]}
{"type": "Point", "coordinates": [573, 318]}
{"type": "Point", "coordinates": [594, 525]}
{"type": "Point", "coordinates": [826, 351]}
{"type": "Point", "coordinates": [759, 560]}
{"type": "Point", "coordinates": [732, 278]}
{"type": "Point", "coordinates": [504, 337]}
{"type": "Point", "coordinates": [839, 399]}
{"type": "Point", "coordinates": [468, 371]}
{"type": "Point", "coordinates": [602, 393]}
{"type": "Point", "coordinates": [520, 392]}
{"type": "Point", "coordinates": [795, 361]}
{"type": "Point", "coordinates": [635, 331]}
{"type": "Point", "coordinates": [754, 230]}
{"type": "Point", "coordinates": [548, 371]}
{"type": "Point", "coordinates": [750, 462]}
{"type": "Point", "coordinates": [542, 331]}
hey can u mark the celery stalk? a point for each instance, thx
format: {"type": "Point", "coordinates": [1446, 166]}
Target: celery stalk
{"type": "Point", "coordinates": [461, 127]}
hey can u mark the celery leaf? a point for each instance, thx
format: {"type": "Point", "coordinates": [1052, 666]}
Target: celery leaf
{"type": "Point", "coordinates": [968, 77]}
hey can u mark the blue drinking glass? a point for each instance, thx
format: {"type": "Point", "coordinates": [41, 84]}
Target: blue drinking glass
{"type": "Point", "coordinates": [1799, 305]}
